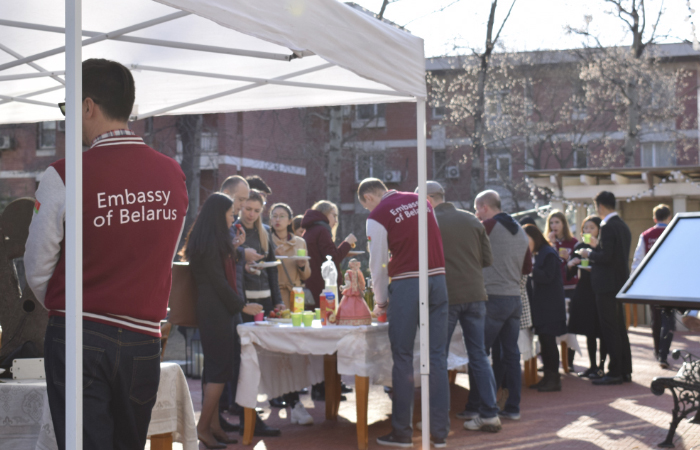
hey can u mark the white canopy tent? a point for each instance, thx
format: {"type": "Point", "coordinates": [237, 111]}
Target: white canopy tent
{"type": "Point", "coordinates": [202, 56]}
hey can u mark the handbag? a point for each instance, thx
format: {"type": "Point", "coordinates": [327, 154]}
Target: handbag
{"type": "Point", "coordinates": [308, 296]}
{"type": "Point", "coordinates": [183, 296]}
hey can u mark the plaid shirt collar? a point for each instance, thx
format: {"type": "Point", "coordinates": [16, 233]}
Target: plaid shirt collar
{"type": "Point", "coordinates": [111, 134]}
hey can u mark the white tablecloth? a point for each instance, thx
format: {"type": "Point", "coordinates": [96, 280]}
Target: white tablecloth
{"type": "Point", "coordinates": [281, 358]}
{"type": "Point", "coordinates": [25, 418]}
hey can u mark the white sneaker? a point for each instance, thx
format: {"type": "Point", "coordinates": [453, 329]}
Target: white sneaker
{"type": "Point", "coordinates": [492, 424]}
{"type": "Point", "coordinates": [301, 416]}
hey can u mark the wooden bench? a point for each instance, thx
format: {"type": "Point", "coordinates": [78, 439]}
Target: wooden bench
{"type": "Point", "coordinates": [685, 388]}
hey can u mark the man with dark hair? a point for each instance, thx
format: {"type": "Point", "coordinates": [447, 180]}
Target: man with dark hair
{"type": "Point", "coordinates": [610, 270]}
{"type": "Point", "coordinates": [467, 251]}
{"type": "Point", "coordinates": [135, 201]}
{"type": "Point", "coordinates": [392, 226]}
{"type": "Point", "coordinates": [257, 183]}
{"type": "Point", "coordinates": [511, 260]}
{"type": "Point", "coordinates": [663, 321]}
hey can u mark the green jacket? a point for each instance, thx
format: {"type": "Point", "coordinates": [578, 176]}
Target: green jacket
{"type": "Point", "coordinates": [467, 250]}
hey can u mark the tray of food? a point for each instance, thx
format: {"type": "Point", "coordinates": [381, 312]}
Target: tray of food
{"type": "Point", "coordinates": [265, 265]}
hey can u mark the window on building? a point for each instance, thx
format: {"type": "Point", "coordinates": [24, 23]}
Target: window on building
{"type": "Point", "coordinates": [439, 163]}
{"type": "Point", "coordinates": [370, 116]}
{"type": "Point", "coordinates": [439, 112]}
{"type": "Point", "coordinates": [495, 103]}
{"type": "Point", "coordinates": [581, 157]}
{"type": "Point", "coordinates": [46, 135]}
{"type": "Point", "coordinates": [148, 127]}
{"type": "Point", "coordinates": [528, 98]}
{"type": "Point", "coordinates": [658, 154]}
{"type": "Point", "coordinates": [498, 166]}
{"type": "Point", "coordinates": [369, 112]}
{"type": "Point", "coordinates": [579, 110]}
{"type": "Point", "coordinates": [369, 165]}
{"type": "Point", "coordinates": [208, 142]}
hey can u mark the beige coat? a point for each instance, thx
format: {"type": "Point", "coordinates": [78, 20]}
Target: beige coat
{"type": "Point", "coordinates": [296, 273]}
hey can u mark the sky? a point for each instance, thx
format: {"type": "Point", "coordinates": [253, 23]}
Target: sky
{"type": "Point", "coordinates": [451, 27]}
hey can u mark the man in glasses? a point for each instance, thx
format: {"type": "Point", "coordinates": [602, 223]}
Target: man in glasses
{"type": "Point", "coordinates": [134, 206]}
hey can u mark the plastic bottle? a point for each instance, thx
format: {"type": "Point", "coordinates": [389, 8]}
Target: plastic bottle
{"type": "Point", "coordinates": [330, 276]}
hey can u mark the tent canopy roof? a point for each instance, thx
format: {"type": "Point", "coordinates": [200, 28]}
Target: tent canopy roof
{"type": "Point", "coordinates": [266, 54]}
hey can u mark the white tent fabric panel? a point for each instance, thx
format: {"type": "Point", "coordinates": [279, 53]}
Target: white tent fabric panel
{"type": "Point", "coordinates": [366, 60]}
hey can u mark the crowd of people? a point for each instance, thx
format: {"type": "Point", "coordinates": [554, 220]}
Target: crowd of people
{"type": "Point", "coordinates": [492, 274]}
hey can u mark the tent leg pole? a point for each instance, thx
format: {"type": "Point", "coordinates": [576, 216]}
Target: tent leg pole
{"type": "Point", "coordinates": [74, 227]}
{"type": "Point", "coordinates": [423, 272]}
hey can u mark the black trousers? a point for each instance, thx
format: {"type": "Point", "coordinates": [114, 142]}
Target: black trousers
{"type": "Point", "coordinates": [121, 373]}
{"type": "Point", "coordinates": [663, 324]}
{"type": "Point", "coordinates": [614, 331]}
{"type": "Point", "coordinates": [549, 352]}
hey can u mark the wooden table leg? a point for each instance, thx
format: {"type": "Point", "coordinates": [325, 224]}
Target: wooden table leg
{"type": "Point", "coordinates": [627, 315]}
{"type": "Point", "coordinates": [162, 441]}
{"type": "Point", "coordinates": [452, 374]}
{"type": "Point", "coordinates": [534, 375]}
{"type": "Point", "coordinates": [249, 430]}
{"type": "Point", "coordinates": [565, 356]}
{"type": "Point", "coordinates": [362, 397]}
{"type": "Point", "coordinates": [330, 368]}
{"type": "Point", "coordinates": [526, 373]}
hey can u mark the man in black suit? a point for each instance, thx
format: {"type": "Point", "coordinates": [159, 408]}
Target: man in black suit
{"type": "Point", "coordinates": [609, 272]}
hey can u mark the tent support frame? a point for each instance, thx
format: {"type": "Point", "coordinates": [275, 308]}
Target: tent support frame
{"type": "Point", "coordinates": [74, 226]}
{"type": "Point", "coordinates": [161, 42]}
{"type": "Point", "coordinates": [424, 317]}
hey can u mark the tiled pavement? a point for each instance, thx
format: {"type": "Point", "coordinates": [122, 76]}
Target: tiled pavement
{"type": "Point", "coordinates": [581, 416]}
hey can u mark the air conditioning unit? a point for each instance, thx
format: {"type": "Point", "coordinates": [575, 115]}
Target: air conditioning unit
{"type": "Point", "coordinates": [392, 176]}
{"type": "Point", "coordinates": [5, 142]}
{"type": "Point", "coordinates": [61, 125]}
{"type": "Point", "coordinates": [452, 172]}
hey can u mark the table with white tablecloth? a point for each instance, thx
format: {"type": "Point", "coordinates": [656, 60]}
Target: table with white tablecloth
{"type": "Point", "coordinates": [25, 418]}
{"type": "Point", "coordinates": [282, 358]}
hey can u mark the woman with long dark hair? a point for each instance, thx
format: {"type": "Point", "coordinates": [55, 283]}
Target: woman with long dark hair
{"type": "Point", "coordinates": [583, 313]}
{"type": "Point", "coordinates": [547, 306]}
{"type": "Point", "coordinates": [210, 252]}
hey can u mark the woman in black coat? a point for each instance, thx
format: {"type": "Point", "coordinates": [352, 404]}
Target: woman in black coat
{"type": "Point", "coordinates": [547, 305]}
{"type": "Point", "coordinates": [210, 251]}
{"type": "Point", "coordinates": [583, 313]}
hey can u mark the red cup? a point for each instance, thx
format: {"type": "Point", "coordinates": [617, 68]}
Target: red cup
{"type": "Point", "coordinates": [381, 318]}
{"type": "Point", "coordinates": [259, 316]}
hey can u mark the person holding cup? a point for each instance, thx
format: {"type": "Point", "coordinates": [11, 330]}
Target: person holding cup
{"type": "Point", "coordinates": [211, 254]}
{"type": "Point", "coordinates": [583, 313]}
{"type": "Point", "coordinates": [291, 273]}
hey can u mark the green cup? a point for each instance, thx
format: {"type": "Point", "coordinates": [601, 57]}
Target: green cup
{"type": "Point", "coordinates": [301, 252]}
{"type": "Point", "coordinates": [296, 319]}
{"type": "Point", "coordinates": [308, 318]}
{"type": "Point", "coordinates": [586, 238]}
{"type": "Point", "coordinates": [584, 263]}
{"type": "Point", "coordinates": [317, 314]}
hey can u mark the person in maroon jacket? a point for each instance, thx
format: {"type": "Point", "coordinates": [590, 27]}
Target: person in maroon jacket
{"type": "Point", "coordinates": [319, 224]}
{"type": "Point", "coordinates": [663, 320]}
{"type": "Point", "coordinates": [134, 205]}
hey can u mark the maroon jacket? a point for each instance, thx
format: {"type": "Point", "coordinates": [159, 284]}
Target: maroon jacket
{"type": "Point", "coordinates": [319, 243]}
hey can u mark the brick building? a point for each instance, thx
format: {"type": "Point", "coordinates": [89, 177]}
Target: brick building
{"type": "Point", "coordinates": [288, 148]}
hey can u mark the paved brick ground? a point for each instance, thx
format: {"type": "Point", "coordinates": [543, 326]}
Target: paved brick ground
{"type": "Point", "coordinates": [582, 416]}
